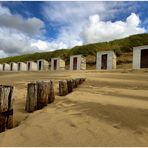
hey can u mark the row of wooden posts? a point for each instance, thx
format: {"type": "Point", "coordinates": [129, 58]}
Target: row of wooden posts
{"type": "Point", "coordinates": [39, 94]}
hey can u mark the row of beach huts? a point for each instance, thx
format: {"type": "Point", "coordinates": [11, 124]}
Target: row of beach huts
{"type": "Point", "coordinates": [77, 62]}
{"type": "Point", "coordinates": [104, 60]}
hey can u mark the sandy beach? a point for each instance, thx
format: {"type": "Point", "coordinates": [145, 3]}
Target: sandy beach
{"type": "Point", "coordinates": [109, 109]}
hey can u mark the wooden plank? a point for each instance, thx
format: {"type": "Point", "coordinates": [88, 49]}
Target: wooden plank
{"type": "Point", "coordinates": [4, 95]}
{"type": "Point", "coordinates": [74, 83]}
{"type": "Point", "coordinates": [42, 94]}
{"type": "Point", "coordinates": [9, 121]}
{"type": "Point", "coordinates": [3, 119]}
{"type": "Point", "coordinates": [70, 85]}
{"type": "Point", "coordinates": [63, 90]}
{"type": "Point", "coordinates": [51, 95]}
{"type": "Point", "coordinates": [31, 100]}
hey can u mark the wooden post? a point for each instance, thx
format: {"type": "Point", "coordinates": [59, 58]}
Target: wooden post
{"type": "Point", "coordinates": [70, 85]}
{"type": "Point", "coordinates": [74, 83]}
{"type": "Point", "coordinates": [77, 82]}
{"type": "Point", "coordinates": [42, 94]}
{"type": "Point", "coordinates": [63, 90]}
{"type": "Point", "coordinates": [2, 122]}
{"type": "Point", "coordinates": [31, 100]}
{"type": "Point", "coordinates": [51, 95]}
{"type": "Point", "coordinates": [6, 107]}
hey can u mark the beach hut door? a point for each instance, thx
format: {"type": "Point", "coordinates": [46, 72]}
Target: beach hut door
{"type": "Point", "coordinates": [144, 58]}
{"type": "Point", "coordinates": [40, 65]}
{"type": "Point", "coordinates": [29, 66]}
{"type": "Point", "coordinates": [75, 60]}
{"type": "Point", "coordinates": [55, 64]}
{"type": "Point", "coordinates": [104, 61]}
{"type": "Point", "coordinates": [11, 67]}
{"type": "Point", "coordinates": [19, 66]}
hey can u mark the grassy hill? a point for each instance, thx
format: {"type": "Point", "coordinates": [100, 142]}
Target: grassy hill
{"type": "Point", "coordinates": [122, 47]}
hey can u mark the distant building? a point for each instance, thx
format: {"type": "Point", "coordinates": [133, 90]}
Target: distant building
{"type": "Point", "coordinates": [140, 57]}
{"type": "Point", "coordinates": [57, 64]}
{"type": "Point", "coordinates": [6, 67]}
{"type": "Point", "coordinates": [106, 60]}
{"type": "Point", "coordinates": [13, 66]}
{"type": "Point", "coordinates": [77, 62]}
{"type": "Point", "coordinates": [42, 65]}
{"type": "Point", "coordinates": [21, 66]}
{"type": "Point", "coordinates": [32, 66]}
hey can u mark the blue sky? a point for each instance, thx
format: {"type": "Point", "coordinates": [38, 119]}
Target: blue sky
{"type": "Point", "coordinates": [27, 27]}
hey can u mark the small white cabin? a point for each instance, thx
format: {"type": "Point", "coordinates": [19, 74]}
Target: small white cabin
{"type": "Point", "coordinates": [13, 66]}
{"type": "Point", "coordinates": [43, 65]}
{"type": "Point", "coordinates": [57, 64]}
{"type": "Point", "coordinates": [32, 66]}
{"type": "Point", "coordinates": [77, 62]}
{"type": "Point", "coordinates": [21, 66]}
{"type": "Point", "coordinates": [106, 60]}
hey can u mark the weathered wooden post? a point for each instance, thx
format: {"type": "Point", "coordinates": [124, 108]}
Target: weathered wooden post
{"type": "Point", "coordinates": [77, 82]}
{"type": "Point", "coordinates": [6, 107]}
{"type": "Point", "coordinates": [42, 94]}
{"type": "Point", "coordinates": [51, 95]}
{"type": "Point", "coordinates": [63, 90]}
{"type": "Point", "coordinates": [31, 100]}
{"type": "Point", "coordinates": [70, 85]}
{"type": "Point", "coordinates": [74, 83]}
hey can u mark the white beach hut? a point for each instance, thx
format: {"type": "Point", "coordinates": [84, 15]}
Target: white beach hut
{"type": "Point", "coordinates": [106, 60]}
{"type": "Point", "coordinates": [77, 62]}
{"type": "Point", "coordinates": [57, 64]}
{"type": "Point", "coordinates": [140, 57]}
{"type": "Point", "coordinates": [42, 65]}
{"type": "Point", "coordinates": [32, 66]}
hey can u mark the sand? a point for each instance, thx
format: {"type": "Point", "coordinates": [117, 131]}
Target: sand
{"type": "Point", "coordinates": [109, 109]}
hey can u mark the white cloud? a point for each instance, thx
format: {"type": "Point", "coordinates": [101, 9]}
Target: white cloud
{"type": "Point", "coordinates": [31, 26]}
{"type": "Point", "coordinates": [87, 22]}
{"type": "Point", "coordinates": [78, 11]}
{"type": "Point", "coordinates": [4, 10]}
{"type": "Point", "coordinates": [99, 31]}
{"type": "Point", "coordinates": [16, 34]}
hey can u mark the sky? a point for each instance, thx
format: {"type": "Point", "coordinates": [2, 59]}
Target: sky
{"type": "Point", "coordinates": [29, 26]}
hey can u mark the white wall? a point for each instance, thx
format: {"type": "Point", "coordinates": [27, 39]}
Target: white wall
{"type": "Point", "coordinates": [1, 67]}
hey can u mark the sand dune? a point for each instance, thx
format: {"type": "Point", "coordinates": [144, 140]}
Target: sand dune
{"type": "Point", "coordinates": [109, 109]}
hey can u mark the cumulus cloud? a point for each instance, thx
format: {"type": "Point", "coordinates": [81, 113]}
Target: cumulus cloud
{"type": "Point", "coordinates": [4, 10]}
{"type": "Point", "coordinates": [87, 22]}
{"type": "Point", "coordinates": [78, 11]}
{"type": "Point", "coordinates": [17, 33]}
{"type": "Point", "coordinates": [99, 31]}
{"type": "Point", "coordinates": [31, 26]}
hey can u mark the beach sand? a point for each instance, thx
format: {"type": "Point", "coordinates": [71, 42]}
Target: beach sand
{"type": "Point", "coordinates": [109, 109]}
